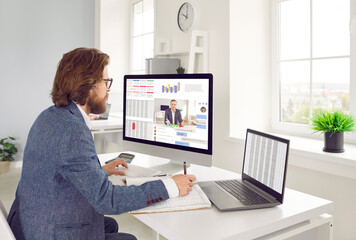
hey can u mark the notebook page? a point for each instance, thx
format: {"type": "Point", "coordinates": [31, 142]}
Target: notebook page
{"type": "Point", "coordinates": [128, 180]}
{"type": "Point", "coordinates": [196, 199]}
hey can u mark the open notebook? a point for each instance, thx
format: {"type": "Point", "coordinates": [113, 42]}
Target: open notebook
{"type": "Point", "coordinates": [196, 199]}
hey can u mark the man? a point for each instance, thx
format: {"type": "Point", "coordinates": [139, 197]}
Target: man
{"type": "Point", "coordinates": [63, 192]}
{"type": "Point", "coordinates": [172, 115]}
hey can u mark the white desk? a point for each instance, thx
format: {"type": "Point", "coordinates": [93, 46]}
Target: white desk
{"type": "Point", "coordinates": [113, 124]}
{"type": "Point", "coordinates": [299, 213]}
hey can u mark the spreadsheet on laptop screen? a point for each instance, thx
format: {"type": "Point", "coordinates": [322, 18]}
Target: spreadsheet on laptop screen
{"type": "Point", "coordinates": [265, 160]}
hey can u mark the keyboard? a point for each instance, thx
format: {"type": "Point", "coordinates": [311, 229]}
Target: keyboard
{"type": "Point", "coordinates": [138, 171]}
{"type": "Point", "coordinates": [242, 192]}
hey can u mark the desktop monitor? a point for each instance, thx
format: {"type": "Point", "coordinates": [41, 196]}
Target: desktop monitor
{"type": "Point", "coordinates": [169, 116]}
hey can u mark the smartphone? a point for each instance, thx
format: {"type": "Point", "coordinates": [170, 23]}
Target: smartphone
{"type": "Point", "coordinates": [127, 157]}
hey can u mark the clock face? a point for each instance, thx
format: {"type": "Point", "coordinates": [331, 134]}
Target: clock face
{"type": "Point", "coordinates": [186, 17]}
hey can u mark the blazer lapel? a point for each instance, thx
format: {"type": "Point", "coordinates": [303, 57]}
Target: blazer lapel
{"type": "Point", "coordinates": [72, 107]}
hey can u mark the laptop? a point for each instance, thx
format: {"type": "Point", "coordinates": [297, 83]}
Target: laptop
{"type": "Point", "coordinates": [263, 176]}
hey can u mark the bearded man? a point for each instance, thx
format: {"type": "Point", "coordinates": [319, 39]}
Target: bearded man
{"type": "Point", "coordinates": [64, 192]}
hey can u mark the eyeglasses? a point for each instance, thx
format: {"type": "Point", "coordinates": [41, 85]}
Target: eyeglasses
{"type": "Point", "coordinates": [108, 82]}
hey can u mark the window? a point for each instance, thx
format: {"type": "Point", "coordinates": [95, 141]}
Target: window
{"type": "Point", "coordinates": [142, 34]}
{"type": "Point", "coordinates": [311, 59]}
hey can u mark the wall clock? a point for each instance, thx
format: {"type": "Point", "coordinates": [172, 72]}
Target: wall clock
{"type": "Point", "coordinates": [186, 17]}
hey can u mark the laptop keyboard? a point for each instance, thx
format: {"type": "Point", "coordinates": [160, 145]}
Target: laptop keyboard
{"type": "Point", "coordinates": [241, 192]}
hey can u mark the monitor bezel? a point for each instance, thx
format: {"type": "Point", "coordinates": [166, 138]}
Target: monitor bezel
{"type": "Point", "coordinates": [209, 76]}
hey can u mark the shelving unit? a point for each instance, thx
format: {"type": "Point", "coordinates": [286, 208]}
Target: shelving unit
{"type": "Point", "coordinates": [198, 47]}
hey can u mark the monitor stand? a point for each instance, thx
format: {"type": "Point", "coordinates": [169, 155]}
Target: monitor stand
{"type": "Point", "coordinates": [171, 168]}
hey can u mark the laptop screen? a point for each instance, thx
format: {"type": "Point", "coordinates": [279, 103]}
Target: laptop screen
{"type": "Point", "coordinates": [265, 162]}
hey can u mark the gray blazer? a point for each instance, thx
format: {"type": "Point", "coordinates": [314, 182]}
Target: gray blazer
{"type": "Point", "coordinates": [63, 193]}
{"type": "Point", "coordinates": [177, 116]}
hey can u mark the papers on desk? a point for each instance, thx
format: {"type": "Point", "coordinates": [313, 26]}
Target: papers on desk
{"type": "Point", "coordinates": [133, 172]}
{"type": "Point", "coordinates": [141, 180]}
{"type": "Point", "coordinates": [138, 171]}
{"type": "Point", "coordinates": [117, 180]}
{"type": "Point", "coordinates": [196, 199]}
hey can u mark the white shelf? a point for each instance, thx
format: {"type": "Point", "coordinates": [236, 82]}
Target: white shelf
{"type": "Point", "coordinates": [172, 54]}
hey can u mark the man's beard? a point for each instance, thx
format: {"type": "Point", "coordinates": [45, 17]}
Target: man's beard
{"type": "Point", "coordinates": [96, 105]}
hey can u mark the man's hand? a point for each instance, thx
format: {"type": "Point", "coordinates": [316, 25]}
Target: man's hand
{"type": "Point", "coordinates": [111, 167]}
{"type": "Point", "coordinates": [184, 183]}
{"type": "Point", "coordinates": [167, 121]}
{"type": "Point", "coordinates": [93, 117]}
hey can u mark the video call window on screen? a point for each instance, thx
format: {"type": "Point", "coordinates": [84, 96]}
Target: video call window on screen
{"type": "Point", "coordinates": [172, 111]}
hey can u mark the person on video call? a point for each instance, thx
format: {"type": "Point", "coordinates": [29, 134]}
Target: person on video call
{"type": "Point", "coordinates": [64, 192]}
{"type": "Point", "coordinates": [173, 113]}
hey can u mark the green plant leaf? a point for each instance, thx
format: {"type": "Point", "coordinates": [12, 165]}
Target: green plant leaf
{"type": "Point", "coordinates": [7, 149]}
{"type": "Point", "coordinates": [332, 121]}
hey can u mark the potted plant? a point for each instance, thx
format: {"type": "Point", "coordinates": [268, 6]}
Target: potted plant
{"type": "Point", "coordinates": [180, 70]}
{"type": "Point", "coordinates": [7, 152]}
{"type": "Point", "coordinates": [333, 123]}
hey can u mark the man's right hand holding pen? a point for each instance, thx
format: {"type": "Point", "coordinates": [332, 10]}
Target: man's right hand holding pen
{"type": "Point", "coordinates": [184, 183]}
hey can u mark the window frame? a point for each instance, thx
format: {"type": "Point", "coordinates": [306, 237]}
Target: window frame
{"type": "Point", "coordinates": [299, 129]}
{"type": "Point", "coordinates": [133, 2]}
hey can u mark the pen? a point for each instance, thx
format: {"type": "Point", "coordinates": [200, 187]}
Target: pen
{"type": "Point", "coordinates": [185, 168]}
{"type": "Point", "coordinates": [160, 175]}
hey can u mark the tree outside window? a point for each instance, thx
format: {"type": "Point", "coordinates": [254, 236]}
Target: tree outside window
{"type": "Point", "coordinates": [313, 59]}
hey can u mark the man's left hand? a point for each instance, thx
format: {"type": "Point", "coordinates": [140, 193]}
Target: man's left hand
{"type": "Point", "coordinates": [93, 117]}
{"type": "Point", "coordinates": [111, 167]}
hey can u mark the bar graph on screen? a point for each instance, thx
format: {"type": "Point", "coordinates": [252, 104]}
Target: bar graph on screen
{"type": "Point", "coordinates": [171, 88]}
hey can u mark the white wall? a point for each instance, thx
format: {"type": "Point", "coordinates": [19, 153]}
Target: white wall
{"type": "Point", "coordinates": [250, 81]}
{"type": "Point", "coordinates": [213, 17]}
{"type": "Point", "coordinates": [340, 190]}
{"type": "Point", "coordinates": [33, 37]}
{"type": "Point", "coordinates": [166, 25]}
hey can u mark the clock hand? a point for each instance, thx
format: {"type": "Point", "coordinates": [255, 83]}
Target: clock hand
{"type": "Point", "coordinates": [185, 16]}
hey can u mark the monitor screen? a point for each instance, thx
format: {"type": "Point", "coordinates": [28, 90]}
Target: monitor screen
{"type": "Point", "coordinates": [169, 110]}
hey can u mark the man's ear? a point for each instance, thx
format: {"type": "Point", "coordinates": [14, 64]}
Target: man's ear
{"type": "Point", "coordinates": [89, 96]}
